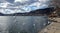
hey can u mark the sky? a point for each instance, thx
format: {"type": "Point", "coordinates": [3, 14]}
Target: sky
{"type": "Point", "coordinates": [22, 6]}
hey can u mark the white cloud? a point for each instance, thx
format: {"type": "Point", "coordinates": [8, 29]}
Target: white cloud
{"type": "Point", "coordinates": [22, 9]}
{"type": "Point", "coordinates": [21, 1]}
{"type": "Point", "coordinates": [3, 5]}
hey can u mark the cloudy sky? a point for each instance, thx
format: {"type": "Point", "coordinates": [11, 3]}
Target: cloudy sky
{"type": "Point", "coordinates": [22, 6]}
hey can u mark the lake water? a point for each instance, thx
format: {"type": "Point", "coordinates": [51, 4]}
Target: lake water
{"type": "Point", "coordinates": [22, 24]}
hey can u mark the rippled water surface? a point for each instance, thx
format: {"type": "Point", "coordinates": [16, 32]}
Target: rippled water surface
{"type": "Point", "coordinates": [22, 24]}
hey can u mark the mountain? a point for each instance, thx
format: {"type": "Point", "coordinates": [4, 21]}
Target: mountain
{"type": "Point", "coordinates": [21, 6]}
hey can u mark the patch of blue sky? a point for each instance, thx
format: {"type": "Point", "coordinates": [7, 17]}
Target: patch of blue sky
{"type": "Point", "coordinates": [31, 5]}
{"type": "Point", "coordinates": [34, 7]}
